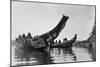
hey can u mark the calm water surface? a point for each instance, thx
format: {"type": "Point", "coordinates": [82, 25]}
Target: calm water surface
{"type": "Point", "coordinates": [56, 55]}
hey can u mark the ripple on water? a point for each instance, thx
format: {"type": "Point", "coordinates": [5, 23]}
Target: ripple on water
{"type": "Point", "coordinates": [56, 55]}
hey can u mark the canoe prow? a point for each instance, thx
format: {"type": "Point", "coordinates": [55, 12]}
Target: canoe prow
{"type": "Point", "coordinates": [53, 34]}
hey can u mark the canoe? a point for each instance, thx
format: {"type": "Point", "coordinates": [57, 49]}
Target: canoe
{"type": "Point", "coordinates": [67, 44]}
{"type": "Point", "coordinates": [43, 41]}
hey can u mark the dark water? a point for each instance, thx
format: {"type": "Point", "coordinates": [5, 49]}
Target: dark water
{"type": "Point", "coordinates": [55, 55]}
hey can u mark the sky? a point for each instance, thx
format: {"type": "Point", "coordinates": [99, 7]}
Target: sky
{"type": "Point", "coordinates": [39, 18]}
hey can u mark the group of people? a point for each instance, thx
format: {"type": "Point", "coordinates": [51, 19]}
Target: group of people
{"type": "Point", "coordinates": [22, 37]}
{"type": "Point", "coordinates": [29, 41]}
{"type": "Point", "coordinates": [32, 40]}
{"type": "Point", "coordinates": [59, 41]}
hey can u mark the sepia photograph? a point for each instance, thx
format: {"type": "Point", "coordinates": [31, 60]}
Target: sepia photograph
{"type": "Point", "coordinates": [51, 33]}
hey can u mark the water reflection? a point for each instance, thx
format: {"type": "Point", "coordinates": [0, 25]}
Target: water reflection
{"type": "Point", "coordinates": [55, 55]}
{"type": "Point", "coordinates": [32, 57]}
{"type": "Point", "coordinates": [60, 55]}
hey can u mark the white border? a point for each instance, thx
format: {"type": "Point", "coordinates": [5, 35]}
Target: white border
{"type": "Point", "coordinates": [5, 33]}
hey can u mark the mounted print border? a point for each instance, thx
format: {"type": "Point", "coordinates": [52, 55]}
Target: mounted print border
{"type": "Point", "coordinates": [44, 33]}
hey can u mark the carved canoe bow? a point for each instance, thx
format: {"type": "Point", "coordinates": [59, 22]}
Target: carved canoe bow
{"type": "Point", "coordinates": [53, 34]}
{"type": "Point", "coordinates": [43, 40]}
